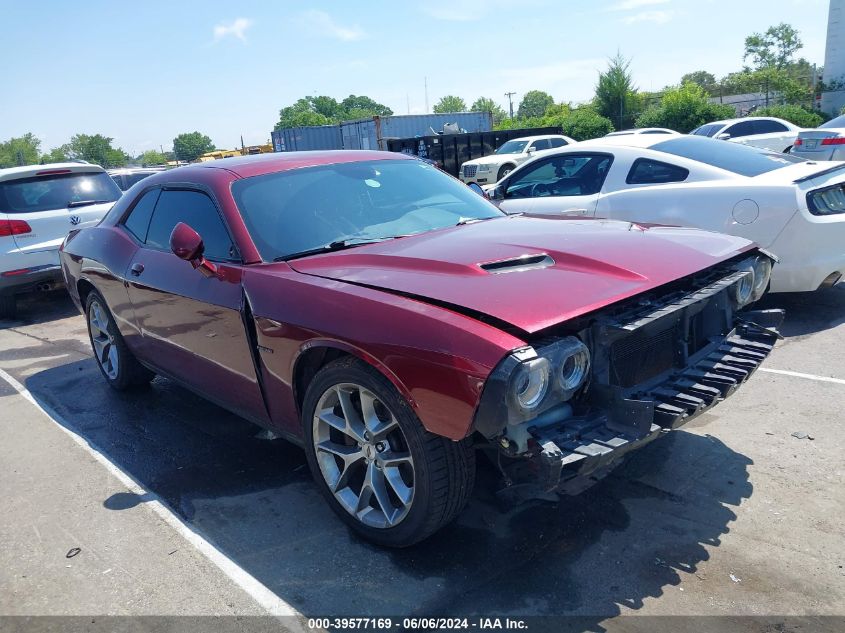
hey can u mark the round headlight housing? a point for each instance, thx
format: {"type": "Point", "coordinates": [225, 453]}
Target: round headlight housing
{"type": "Point", "coordinates": [529, 383]}
{"type": "Point", "coordinates": [743, 290]}
{"type": "Point", "coordinates": [574, 366]}
{"type": "Point", "coordinates": [762, 273]}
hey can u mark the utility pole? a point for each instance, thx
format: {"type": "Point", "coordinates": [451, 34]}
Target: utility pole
{"type": "Point", "coordinates": [425, 79]}
{"type": "Point", "coordinates": [510, 95]}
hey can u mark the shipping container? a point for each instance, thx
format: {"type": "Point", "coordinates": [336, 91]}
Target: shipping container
{"type": "Point", "coordinates": [373, 133]}
{"type": "Point", "coordinates": [450, 151]}
{"type": "Point", "coordinates": [297, 139]}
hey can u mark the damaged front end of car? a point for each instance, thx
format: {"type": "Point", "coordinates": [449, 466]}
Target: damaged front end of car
{"type": "Point", "coordinates": [561, 412]}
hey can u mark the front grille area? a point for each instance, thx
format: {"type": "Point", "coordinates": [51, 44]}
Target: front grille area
{"type": "Point", "coordinates": [640, 357]}
{"type": "Point", "coordinates": [470, 170]}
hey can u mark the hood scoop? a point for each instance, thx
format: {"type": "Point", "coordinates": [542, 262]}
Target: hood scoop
{"type": "Point", "coordinates": [518, 264]}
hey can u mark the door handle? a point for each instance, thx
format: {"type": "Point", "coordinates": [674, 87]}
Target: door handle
{"type": "Point", "coordinates": [136, 269]}
{"type": "Point", "coordinates": [578, 211]}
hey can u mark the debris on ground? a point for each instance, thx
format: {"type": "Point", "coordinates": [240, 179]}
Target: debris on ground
{"type": "Point", "coordinates": [735, 579]}
{"type": "Point", "coordinates": [802, 436]}
{"type": "Point", "coordinates": [73, 551]}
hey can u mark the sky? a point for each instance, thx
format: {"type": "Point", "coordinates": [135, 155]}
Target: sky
{"type": "Point", "coordinates": [144, 72]}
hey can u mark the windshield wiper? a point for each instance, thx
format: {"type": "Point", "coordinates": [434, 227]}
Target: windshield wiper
{"type": "Point", "coordinates": [85, 203]}
{"type": "Point", "coordinates": [464, 221]}
{"type": "Point", "coordinates": [338, 245]}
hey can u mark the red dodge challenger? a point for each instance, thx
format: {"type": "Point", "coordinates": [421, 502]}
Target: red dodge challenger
{"type": "Point", "coordinates": [394, 323]}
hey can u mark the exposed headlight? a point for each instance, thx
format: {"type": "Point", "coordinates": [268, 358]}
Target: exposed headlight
{"type": "Point", "coordinates": [762, 273]}
{"type": "Point", "coordinates": [754, 284]}
{"type": "Point", "coordinates": [573, 366]}
{"type": "Point", "coordinates": [743, 290]}
{"type": "Point", "coordinates": [530, 383]}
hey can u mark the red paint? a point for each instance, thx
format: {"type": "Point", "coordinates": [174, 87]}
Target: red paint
{"type": "Point", "coordinates": [193, 327]}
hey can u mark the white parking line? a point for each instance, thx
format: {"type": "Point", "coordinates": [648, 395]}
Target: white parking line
{"type": "Point", "coordinates": [796, 374]}
{"type": "Point", "coordinates": [262, 595]}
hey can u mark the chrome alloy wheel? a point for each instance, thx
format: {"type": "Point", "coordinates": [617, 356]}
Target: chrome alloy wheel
{"type": "Point", "coordinates": [103, 341]}
{"type": "Point", "coordinates": [363, 455]}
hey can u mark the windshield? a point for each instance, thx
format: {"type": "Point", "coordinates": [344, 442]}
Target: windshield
{"type": "Point", "coordinates": [708, 130]}
{"type": "Point", "coordinates": [292, 212]}
{"type": "Point", "coordinates": [58, 191]}
{"type": "Point", "coordinates": [837, 122]}
{"type": "Point", "coordinates": [512, 147]}
{"type": "Point", "coordinates": [739, 159]}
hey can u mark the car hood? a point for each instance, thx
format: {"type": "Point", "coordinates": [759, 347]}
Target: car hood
{"type": "Point", "coordinates": [479, 268]}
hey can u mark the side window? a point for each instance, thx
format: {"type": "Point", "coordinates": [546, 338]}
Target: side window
{"type": "Point", "coordinates": [541, 144]}
{"type": "Point", "coordinates": [197, 211]}
{"type": "Point", "coordinates": [139, 218]}
{"type": "Point", "coordinates": [557, 142]}
{"type": "Point", "coordinates": [118, 180]}
{"type": "Point", "coordinates": [568, 175]}
{"type": "Point", "coordinates": [768, 127]}
{"type": "Point", "coordinates": [645, 171]}
{"type": "Point", "coordinates": [743, 128]}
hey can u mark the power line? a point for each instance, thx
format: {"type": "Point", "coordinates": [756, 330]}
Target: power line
{"type": "Point", "coordinates": [510, 95]}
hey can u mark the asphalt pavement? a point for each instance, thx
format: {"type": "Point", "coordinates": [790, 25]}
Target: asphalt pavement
{"type": "Point", "coordinates": [730, 516]}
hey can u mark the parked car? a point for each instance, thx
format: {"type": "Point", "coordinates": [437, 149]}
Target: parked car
{"type": "Point", "coordinates": [127, 176]}
{"type": "Point", "coordinates": [489, 169]}
{"type": "Point", "coordinates": [39, 204]}
{"type": "Point", "coordinates": [393, 322]}
{"type": "Point", "coordinates": [791, 207]}
{"type": "Point", "coordinates": [826, 142]}
{"type": "Point", "coordinates": [776, 135]}
{"type": "Point", "coordinates": [642, 130]}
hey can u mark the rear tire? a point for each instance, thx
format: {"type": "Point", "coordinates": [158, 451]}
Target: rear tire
{"type": "Point", "coordinates": [420, 481]}
{"type": "Point", "coordinates": [118, 365]}
{"type": "Point", "coordinates": [8, 307]}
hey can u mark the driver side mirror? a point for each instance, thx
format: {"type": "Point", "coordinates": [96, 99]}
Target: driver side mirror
{"type": "Point", "coordinates": [724, 136]}
{"type": "Point", "coordinates": [187, 244]}
{"type": "Point", "coordinates": [496, 193]}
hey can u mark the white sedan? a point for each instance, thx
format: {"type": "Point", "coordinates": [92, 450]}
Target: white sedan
{"type": "Point", "coordinates": [775, 135]}
{"type": "Point", "coordinates": [792, 207]}
{"type": "Point", "coordinates": [489, 169]}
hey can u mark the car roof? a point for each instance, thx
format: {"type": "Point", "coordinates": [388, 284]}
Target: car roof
{"type": "Point", "coordinates": [643, 130]}
{"type": "Point", "coordinates": [27, 171]}
{"type": "Point", "coordinates": [745, 118]}
{"type": "Point", "coordinates": [260, 164]}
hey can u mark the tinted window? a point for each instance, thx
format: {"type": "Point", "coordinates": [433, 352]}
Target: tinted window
{"type": "Point", "coordinates": [734, 157]}
{"type": "Point", "coordinates": [139, 218]}
{"type": "Point", "coordinates": [708, 130]}
{"type": "Point", "coordinates": [768, 127]}
{"type": "Point", "coordinates": [837, 122]}
{"type": "Point", "coordinates": [197, 211]}
{"type": "Point", "coordinates": [118, 180]}
{"type": "Point", "coordinates": [646, 171]}
{"type": "Point", "coordinates": [567, 175]}
{"type": "Point", "coordinates": [743, 128]}
{"type": "Point", "coordinates": [290, 212]}
{"type": "Point", "coordinates": [557, 142]}
{"type": "Point", "coordinates": [44, 193]}
{"type": "Point", "coordinates": [131, 179]}
{"type": "Point", "coordinates": [541, 144]}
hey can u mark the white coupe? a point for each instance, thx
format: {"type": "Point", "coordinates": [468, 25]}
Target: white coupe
{"type": "Point", "coordinates": [792, 207]}
{"type": "Point", "coordinates": [511, 154]}
{"type": "Point", "coordinates": [775, 135]}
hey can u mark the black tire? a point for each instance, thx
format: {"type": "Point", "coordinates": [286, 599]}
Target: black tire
{"type": "Point", "coordinates": [129, 372]}
{"type": "Point", "coordinates": [444, 471]}
{"type": "Point", "coordinates": [8, 307]}
{"type": "Point", "coordinates": [504, 170]}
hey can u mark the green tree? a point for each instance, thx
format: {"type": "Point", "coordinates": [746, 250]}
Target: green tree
{"type": "Point", "coordinates": [94, 148]}
{"type": "Point", "coordinates": [358, 104]}
{"type": "Point", "coordinates": [534, 104]}
{"type": "Point", "coordinates": [191, 145]}
{"type": "Point", "coordinates": [616, 96]}
{"type": "Point", "coordinates": [774, 48]}
{"type": "Point", "coordinates": [450, 103]}
{"type": "Point", "coordinates": [485, 104]}
{"type": "Point", "coordinates": [18, 151]}
{"type": "Point", "coordinates": [585, 123]}
{"type": "Point", "coordinates": [151, 158]}
{"type": "Point", "coordinates": [56, 155]}
{"type": "Point", "coordinates": [801, 117]}
{"type": "Point", "coordinates": [683, 109]}
{"type": "Point", "coordinates": [702, 78]}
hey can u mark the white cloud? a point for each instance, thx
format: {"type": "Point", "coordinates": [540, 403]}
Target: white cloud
{"type": "Point", "coordinates": [658, 17]}
{"type": "Point", "coordinates": [323, 23]}
{"type": "Point", "coordinates": [628, 5]}
{"type": "Point", "coordinates": [236, 28]}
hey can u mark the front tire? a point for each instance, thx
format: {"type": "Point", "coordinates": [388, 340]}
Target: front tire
{"type": "Point", "coordinates": [118, 365]}
{"type": "Point", "coordinates": [504, 170]}
{"type": "Point", "coordinates": [385, 476]}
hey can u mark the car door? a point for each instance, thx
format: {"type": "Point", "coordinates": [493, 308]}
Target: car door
{"type": "Point", "coordinates": [565, 184]}
{"type": "Point", "coordinates": [191, 325]}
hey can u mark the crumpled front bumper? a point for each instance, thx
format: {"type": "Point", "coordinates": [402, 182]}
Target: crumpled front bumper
{"type": "Point", "coordinates": [575, 454]}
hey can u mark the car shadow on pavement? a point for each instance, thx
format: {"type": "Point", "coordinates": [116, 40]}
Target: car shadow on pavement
{"type": "Point", "coordinates": [808, 312]}
{"type": "Point", "coordinates": [631, 537]}
{"type": "Point", "coordinates": [41, 307]}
